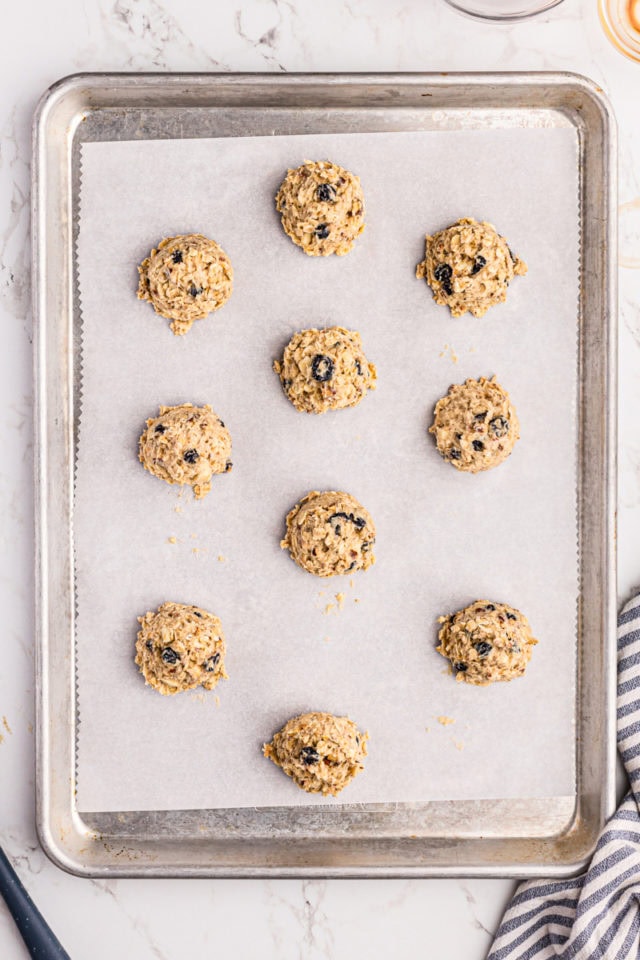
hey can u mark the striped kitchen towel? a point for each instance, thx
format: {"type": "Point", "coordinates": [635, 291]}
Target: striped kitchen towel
{"type": "Point", "coordinates": [595, 916]}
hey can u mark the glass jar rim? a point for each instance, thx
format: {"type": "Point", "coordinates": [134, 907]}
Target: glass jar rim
{"type": "Point", "coordinates": [528, 8]}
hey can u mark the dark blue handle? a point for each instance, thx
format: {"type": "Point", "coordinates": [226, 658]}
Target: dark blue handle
{"type": "Point", "coordinates": [40, 940]}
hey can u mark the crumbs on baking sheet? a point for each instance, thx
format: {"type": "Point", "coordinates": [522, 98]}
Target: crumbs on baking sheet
{"type": "Point", "coordinates": [221, 558]}
{"type": "Point", "coordinates": [445, 721]}
{"type": "Point", "coordinates": [172, 539]}
{"type": "Point", "coordinates": [458, 745]}
{"type": "Point", "coordinates": [449, 353]}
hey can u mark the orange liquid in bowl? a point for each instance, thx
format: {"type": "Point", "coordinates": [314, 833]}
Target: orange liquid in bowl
{"type": "Point", "coordinates": [621, 22]}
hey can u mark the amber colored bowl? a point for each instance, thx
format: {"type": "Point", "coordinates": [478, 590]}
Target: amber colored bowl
{"type": "Point", "coordinates": [621, 23]}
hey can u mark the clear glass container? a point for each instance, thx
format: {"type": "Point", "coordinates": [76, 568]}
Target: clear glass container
{"type": "Point", "coordinates": [502, 9]}
{"type": "Point", "coordinates": [621, 22]}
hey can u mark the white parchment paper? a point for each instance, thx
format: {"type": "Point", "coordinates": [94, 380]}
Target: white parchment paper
{"type": "Point", "coordinates": [444, 538]}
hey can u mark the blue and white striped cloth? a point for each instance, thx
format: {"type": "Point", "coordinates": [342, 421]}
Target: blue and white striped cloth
{"type": "Point", "coordinates": [595, 916]}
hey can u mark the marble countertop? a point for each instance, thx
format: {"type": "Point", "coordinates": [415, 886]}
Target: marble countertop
{"type": "Point", "coordinates": [43, 41]}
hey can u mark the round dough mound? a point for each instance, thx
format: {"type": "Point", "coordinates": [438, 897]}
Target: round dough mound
{"type": "Point", "coordinates": [469, 267]}
{"type": "Point", "coordinates": [330, 533]}
{"type": "Point", "coordinates": [186, 444]}
{"type": "Point", "coordinates": [486, 642]}
{"type": "Point", "coordinates": [320, 752]}
{"type": "Point", "coordinates": [180, 647]}
{"type": "Point", "coordinates": [325, 370]}
{"type": "Point", "coordinates": [475, 425]}
{"type": "Point", "coordinates": [186, 279]}
{"type": "Point", "coordinates": [322, 208]}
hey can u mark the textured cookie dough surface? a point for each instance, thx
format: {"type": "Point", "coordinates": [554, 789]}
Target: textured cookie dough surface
{"type": "Point", "coordinates": [322, 208]}
{"type": "Point", "coordinates": [325, 370]}
{"type": "Point", "coordinates": [320, 752]}
{"type": "Point", "coordinates": [486, 642]}
{"type": "Point", "coordinates": [330, 533]}
{"type": "Point", "coordinates": [469, 267]}
{"type": "Point", "coordinates": [475, 425]}
{"type": "Point", "coordinates": [180, 647]}
{"type": "Point", "coordinates": [186, 445]}
{"type": "Point", "coordinates": [186, 279]}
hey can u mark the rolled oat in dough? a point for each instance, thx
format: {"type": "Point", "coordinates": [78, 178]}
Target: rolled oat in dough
{"type": "Point", "coordinates": [486, 642]}
{"type": "Point", "coordinates": [325, 370]}
{"type": "Point", "coordinates": [180, 647]}
{"type": "Point", "coordinates": [186, 445]}
{"type": "Point", "coordinates": [330, 533]}
{"type": "Point", "coordinates": [321, 753]}
{"type": "Point", "coordinates": [469, 267]}
{"type": "Point", "coordinates": [475, 425]}
{"type": "Point", "coordinates": [185, 279]}
{"type": "Point", "coordinates": [322, 208]}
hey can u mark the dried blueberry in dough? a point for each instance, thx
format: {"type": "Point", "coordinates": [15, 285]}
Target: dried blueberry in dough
{"type": "Point", "coordinates": [475, 426]}
{"type": "Point", "coordinates": [486, 642]}
{"type": "Point", "coordinates": [186, 445]}
{"type": "Point", "coordinates": [469, 267]}
{"type": "Point", "coordinates": [320, 752]}
{"type": "Point", "coordinates": [321, 206]}
{"type": "Point", "coordinates": [185, 279]}
{"type": "Point", "coordinates": [330, 533]}
{"type": "Point", "coordinates": [180, 647]}
{"type": "Point", "coordinates": [325, 370]}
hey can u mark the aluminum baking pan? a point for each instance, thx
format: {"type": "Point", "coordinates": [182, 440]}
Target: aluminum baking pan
{"type": "Point", "coordinates": [504, 838]}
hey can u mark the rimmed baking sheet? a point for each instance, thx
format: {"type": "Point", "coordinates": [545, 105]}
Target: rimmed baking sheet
{"type": "Point", "coordinates": [569, 117]}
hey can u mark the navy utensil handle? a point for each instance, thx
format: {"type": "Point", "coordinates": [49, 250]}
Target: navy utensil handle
{"type": "Point", "coordinates": [40, 940]}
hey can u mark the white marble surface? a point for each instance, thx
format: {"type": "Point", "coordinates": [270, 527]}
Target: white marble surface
{"type": "Point", "coordinates": [43, 40]}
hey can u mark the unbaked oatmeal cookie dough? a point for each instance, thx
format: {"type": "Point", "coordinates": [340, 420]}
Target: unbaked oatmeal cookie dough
{"type": "Point", "coordinates": [325, 370]}
{"type": "Point", "coordinates": [330, 533]}
{"type": "Point", "coordinates": [322, 208]}
{"type": "Point", "coordinates": [186, 445]}
{"type": "Point", "coordinates": [180, 647]}
{"type": "Point", "coordinates": [321, 753]}
{"type": "Point", "coordinates": [475, 425]}
{"type": "Point", "coordinates": [486, 642]}
{"type": "Point", "coordinates": [185, 279]}
{"type": "Point", "coordinates": [469, 267]}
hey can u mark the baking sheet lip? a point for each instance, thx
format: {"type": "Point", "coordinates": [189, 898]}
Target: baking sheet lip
{"type": "Point", "coordinates": [44, 747]}
{"type": "Point", "coordinates": [97, 79]}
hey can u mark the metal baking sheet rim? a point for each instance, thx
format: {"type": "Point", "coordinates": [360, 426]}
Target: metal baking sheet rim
{"type": "Point", "coordinates": [449, 840]}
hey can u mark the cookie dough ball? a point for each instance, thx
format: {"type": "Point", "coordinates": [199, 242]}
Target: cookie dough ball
{"type": "Point", "coordinates": [330, 533]}
{"type": "Point", "coordinates": [186, 444]}
{"type": "Point", "coordinates": [486, 642]}
{"type": "Point", "coordinates": [325, 370]}
{"type": "Point", "coordinates": [475, 425]}
{"type": "Point", "coordinates": [469, 267]}
{"type": "Point", "coordinates": [322, 208]}
{"type": "Point", "coordinates": [321, 753]}
{"type": "Point", "coordinates": [180, 647]}
{"type": "Point", "coordinates": [186, 279]}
